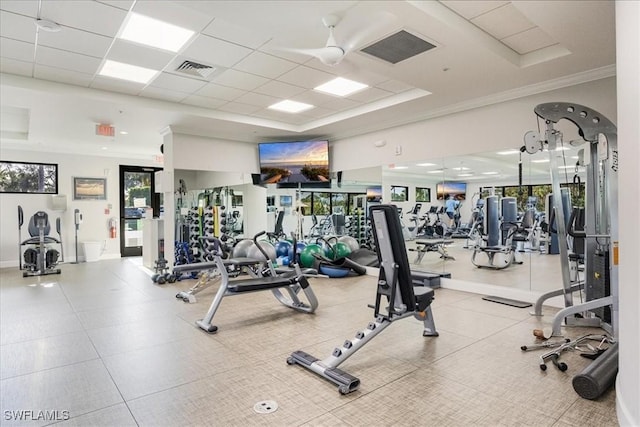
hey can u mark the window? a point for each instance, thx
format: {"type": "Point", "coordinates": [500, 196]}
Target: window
{"type": "Point", "coordinates": [339, 203]}
{"type": "Point", "coordinates": [321, 203]}
{"type": "Point", "coordinates": [423, 194]}
{"type": "Point", "coordinates": [22, 177]}
{"type": "Point", "coordinates": [399, 194]}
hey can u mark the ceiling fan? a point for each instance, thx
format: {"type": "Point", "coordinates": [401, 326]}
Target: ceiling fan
{"type": "Point", "coordinates": [334, 52]}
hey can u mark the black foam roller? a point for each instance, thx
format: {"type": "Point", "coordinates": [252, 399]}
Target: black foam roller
{"type": "Point", "coordinates": [596, 378]}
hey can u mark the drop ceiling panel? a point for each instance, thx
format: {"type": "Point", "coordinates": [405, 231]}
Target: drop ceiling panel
{"type": "Point", "coordinates": [177, 83]}
{"type": "Point", "coordinates": [163, 94]}
{"type": "Point", "coordinates": [318, 112]}
{"type": "Point", "coordinates": [13, 66]}
{"type": "Point", "coordinates": [369, 95]}
{"type": "Point", "coordinates": [258, 99]}
{"type": "Point", "coordinates": [340, 104]}
{"type": "Point", "coordinates": [122, 4]}
{"type": "Point", "coordinates": [67, 60]}
{"type": "Point", "coordinates": [503, 22]}
{"type": "Point", "coordinates": [16, 49]}
{"type": "Point", "coordinates": [394, 86]}
{"type": "Point", "coordinates": [135, 54]}
{"type": "Point", "coordinates": [117, 85]}
{"type": "Point", "coordinates": [313, 97]}
{"type": "Point", "coordinates": [366, 77]}
{"type": "Point", "coordinates": [240, 80]}
{"type": "Point", "coordinates": [84, 15]}
{"type": "Point", "coordinates": [76, 41]}
{"type": "Point", "coordinates": [280, 116]}
{"type": "Point", "coordinates": [63, 76]}
{"type": "Point", "coordinates": [306, 77]}
{"type": "Point", "coordinates": [17, 27]}
{"type": "Point", "coordinates": [279, 89]}
{"type": "Point", "coordinates": [203, 101]}
{"type": "Point", "coordinates": [243, 36]}
{"type": "Point", "coordinates": [528, 41]}
{"type": "Point", "coordinates": [216, 52]}
{"type": "Point", "coordinates": [22, 7]}
{"type": "Point", "coordinates": [265, 65]}
{"type": "Point", "coordinates": [471, 9]}
{"type": "Point", "coordinates": [213, 90]}
{"type": "Point", "coordinates": [239, 108]}
{"type": "Point", "coordinates": [173, 13]}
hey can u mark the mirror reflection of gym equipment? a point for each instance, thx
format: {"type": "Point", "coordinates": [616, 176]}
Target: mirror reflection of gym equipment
{"type": "Point", "coordinates": [37, 255]}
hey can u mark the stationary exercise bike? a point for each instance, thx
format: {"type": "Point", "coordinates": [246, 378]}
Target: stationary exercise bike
{"type": "Point", "coordinates": [411, 232]}
{"type": "Point", "coordinates": [39, 258]}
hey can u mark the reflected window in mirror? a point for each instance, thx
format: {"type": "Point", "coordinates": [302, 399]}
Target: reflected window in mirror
{"type": "Point", "coordinates": [399, 193]}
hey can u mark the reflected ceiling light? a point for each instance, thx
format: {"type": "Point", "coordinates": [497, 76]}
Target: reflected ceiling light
{"type": "Point", "coordinates": [461, 168]}
{"type": "Point", "coordinates": [562, 148]}
{"type": "Point", "coordinates": [400, 167]}
{"type": "Point", "coordinates": [289, 106]}
{"type": "Point", "coordinates": [104, 148]}
{"type": "Point", "coordinates": [465, 174]}
{"type": "Point", "coordinates": [133, 73]}
{"type": "Point", "coordinates": [155, 33]}
{"type": "Point", "coordinates": [508, 152]}
{"type": "Point", "coordinates": [426, 164]}
{"type": "Point", "coordinates": [340, 87]}
{"type": "Point", "coordinates": [436, 171]}
{"type": "Point", "coordinates": [540, 161]}
{"type": "Point", "coordinates": [489, 173]}
{"type": "Point", "coordinates": [124, 132]}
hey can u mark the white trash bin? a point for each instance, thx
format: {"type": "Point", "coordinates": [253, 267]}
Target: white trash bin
{"type": "Point", "coordinates": [92, 251]}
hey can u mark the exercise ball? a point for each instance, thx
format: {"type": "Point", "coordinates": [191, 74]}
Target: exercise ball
{"type": "Point", "coordinates": [306, 256]}
{"type": "Point", "coordinates": [241, 248]}
{"type": "Point", "coordinates": [350, 241]}
{"type": "Point", "coordinates": [282, 248]}
{"type": "Point", "coordinates": [255, 253]}
{"type": "Point", "coordinates": [340, 250]}
{"type": "Point", "coordinates": [284, 260]}
{"type": "Point", "coordinates": [299, 248]}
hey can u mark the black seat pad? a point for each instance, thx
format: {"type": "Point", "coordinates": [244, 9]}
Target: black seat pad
{"type": "Point", "coordinates": [264, 283]}
{"type": "Point", "coordinates": [424, 296]}
{"type": "Point", "coordinates": [494, 249]}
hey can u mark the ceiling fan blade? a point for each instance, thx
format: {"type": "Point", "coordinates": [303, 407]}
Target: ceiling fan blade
{"type": "Point", "coordinates": [317, 53]}
{"type": "Point", "coordinates": [353, 32]}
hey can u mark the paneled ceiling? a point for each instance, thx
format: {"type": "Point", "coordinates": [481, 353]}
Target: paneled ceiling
{"type": "Point", "coordinates": [53, 95]}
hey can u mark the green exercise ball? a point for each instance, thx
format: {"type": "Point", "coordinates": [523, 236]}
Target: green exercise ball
{"type": "Point", "coordinates": [306, 255]}
{"type": "Point", "coordinates": [340, 250]}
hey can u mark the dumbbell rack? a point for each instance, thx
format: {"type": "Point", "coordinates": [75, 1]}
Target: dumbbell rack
{"type": "Point", "coordinates": [360, 226]}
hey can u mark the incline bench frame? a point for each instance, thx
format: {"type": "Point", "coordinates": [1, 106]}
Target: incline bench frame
{"type": "Point", "coordinates": [402, 300]}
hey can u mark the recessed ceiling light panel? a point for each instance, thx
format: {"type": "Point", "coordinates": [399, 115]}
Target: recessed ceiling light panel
{"type": "Point", "coordinates": [340, 87]}
{"type": "Point", "coordinates": [289, 106]}
{"type": "Point", "coordinates": [133, 73]}
{"type": "Point", "coordinates": [152, 32]}
{"type": "Point", "coordinates": [508, 152]}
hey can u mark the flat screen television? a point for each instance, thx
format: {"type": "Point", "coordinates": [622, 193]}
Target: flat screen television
{"type": "Point", "coordinates": [293, 163]}
{"type": "Point", "coordinates": [374, 194]}
{"type": "Point", "coordinates": [456, 189]}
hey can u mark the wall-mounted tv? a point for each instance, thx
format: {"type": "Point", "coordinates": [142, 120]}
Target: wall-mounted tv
{"type": "Point", "coordinates": [456, 189]}
{"type": "Point", "coordinates": [374, 194]}
{"type": "Point", "coordinates": [293, 163]}
{"type": "Point", "coordinates": [286, 201]}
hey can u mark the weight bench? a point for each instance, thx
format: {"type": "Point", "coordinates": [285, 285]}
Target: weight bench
{"type": "Point", "coordinates": [439, 246]}
{"type": "Point", "coordinates": [402, 300]}
{"type": "Point", "coordinates": [208, 273]}
{"type": "Point", "coordinates": [292, 282]}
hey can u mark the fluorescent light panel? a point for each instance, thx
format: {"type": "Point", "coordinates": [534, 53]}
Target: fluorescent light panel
{"type": "Point", "coordinates": [489, 173]}
{"type": "Point", "coordinates": [436, 171]}
{"type": "Point", "coordinates": [461, 168]}
{"type": "Point", "coordinates": [152, 32]}
{"type": "Point", "coordinates": [401, 167]}
{"type": "Point", "coordinates": [426, 164]}
{"type": "Point", "coordinates": [508, 152]}
{"type": "Point", "coordinates": [340, 87]}
{"type": "Point", "coordinates": [289, 106]}
{"type": "Point", "coordinates": [133, 73]}
{"type": "Point", "coordinates": [540, 161]}
{"type": "Point", "coordinates": [465, 174]}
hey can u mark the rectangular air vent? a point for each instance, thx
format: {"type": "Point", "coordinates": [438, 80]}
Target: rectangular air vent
{"type": "Point", "coordinates": [398, 47]}
{"type": "Point", "coordinates": [194, 69]}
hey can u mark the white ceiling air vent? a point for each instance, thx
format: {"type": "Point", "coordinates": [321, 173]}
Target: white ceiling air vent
{"type": "Point", "coordinates": [398, 47]}
{"type": "Point", "coordinates": [194, 69]}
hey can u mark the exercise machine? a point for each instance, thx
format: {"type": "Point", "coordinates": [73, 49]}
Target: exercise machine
{"type": "Point", "coordinates": [599, 156]}
{"type": "Point", "coordinates": [436, 245]}
{"type": "Point", "coordinates": [396, 298]}
{"type": "Point", "coordinates": [411, 232]}
{"type": "Point", "coordinates": [39, 258]}
{"type": "Point", "coordinates": [292, 282]}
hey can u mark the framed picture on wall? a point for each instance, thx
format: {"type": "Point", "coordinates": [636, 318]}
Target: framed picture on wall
{"type": "Point", "coordinates": [399, 193]}
{"type": "Point", "coordinates": [89, 188]}
{"type": "Point", "coordinates": [423, 194]}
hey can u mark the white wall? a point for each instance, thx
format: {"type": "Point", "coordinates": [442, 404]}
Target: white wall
{"type": "Point", "coordinates": [95, 217]}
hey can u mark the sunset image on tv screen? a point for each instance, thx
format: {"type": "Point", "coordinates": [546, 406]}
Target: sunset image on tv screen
{"type": "Point", "coordinates": [293, 162]}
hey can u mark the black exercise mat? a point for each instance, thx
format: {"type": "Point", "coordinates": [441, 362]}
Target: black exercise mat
{"type": "Point", "coordinates": [507, 301]}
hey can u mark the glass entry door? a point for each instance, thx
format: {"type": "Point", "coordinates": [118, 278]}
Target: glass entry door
{"type": "Point", "coordinates": [137, 198]}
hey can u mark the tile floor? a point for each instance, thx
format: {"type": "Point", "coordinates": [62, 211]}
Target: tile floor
{"type": "Point", "coordinates": [105, 344]}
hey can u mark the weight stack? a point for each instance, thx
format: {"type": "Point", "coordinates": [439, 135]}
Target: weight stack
{"type": "Point", "coordinates": [598, 376]}
{"type": "Point", "coordinates": [600, 285]}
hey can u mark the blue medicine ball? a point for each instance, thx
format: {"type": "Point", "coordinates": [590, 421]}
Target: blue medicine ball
{"type": "Point", "coordinates": [283, 248]}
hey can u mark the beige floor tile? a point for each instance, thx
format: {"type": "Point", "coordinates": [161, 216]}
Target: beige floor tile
{"type": "Point", "coordinates": [593, 413]}
{"type": "Point", "coordinates": [27, 329]}
{"type": "Point", "coordinates": [45, 353]}
{"type": "Point", "coordinates": [153, 369]}
{"type": "Point", "coordinates": [471, 324]}
{"type": "Point", "coordinates": [79, 389]}
{"type": "Point", "coordinates": [113, 416]}
{"type": "Point", "coordinates": [326, 420]}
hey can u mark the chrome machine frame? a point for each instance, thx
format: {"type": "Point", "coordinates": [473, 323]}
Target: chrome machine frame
{"type": "Point", "coordinates": [600, 157]}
